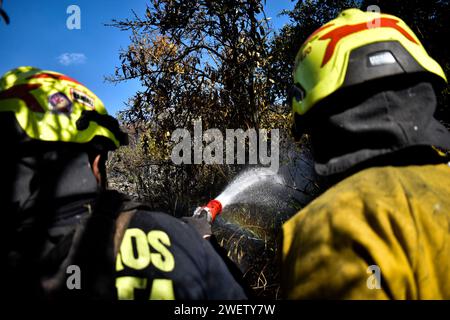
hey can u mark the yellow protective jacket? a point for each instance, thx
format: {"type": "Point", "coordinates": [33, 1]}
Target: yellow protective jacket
{"type": "Point", "coordinates": [394, 218]}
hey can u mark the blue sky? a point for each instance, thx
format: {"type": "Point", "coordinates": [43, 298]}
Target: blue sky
{"type": "Point", "coordinates": [38, 36]}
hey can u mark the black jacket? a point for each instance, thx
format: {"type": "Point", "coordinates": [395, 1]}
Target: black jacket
{"type": "Point", "coordinates": [68, 240]}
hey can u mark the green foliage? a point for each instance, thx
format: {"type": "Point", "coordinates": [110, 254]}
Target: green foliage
{"type": "Point", "coordinates": [194, 59]}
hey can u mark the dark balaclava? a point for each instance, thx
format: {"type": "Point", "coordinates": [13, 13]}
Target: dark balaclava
{"type": "Point", "coordinates": [365, 124]}
{"type": "Point", "coordinates": [52, 178]}
{"type": "Point", "coordinates": [44, 197]}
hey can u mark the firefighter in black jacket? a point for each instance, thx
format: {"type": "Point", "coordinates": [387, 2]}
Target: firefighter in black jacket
{"type": "Point", "coordinates": [66, 235]}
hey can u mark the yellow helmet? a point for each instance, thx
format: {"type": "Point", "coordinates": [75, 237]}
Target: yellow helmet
{"type": "Point", "coordinates": [354, 48]}
{"type": "Point", "coordinates": [49, 106]}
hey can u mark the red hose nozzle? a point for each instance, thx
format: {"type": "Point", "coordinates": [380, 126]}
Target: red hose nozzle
{"type": "Point", "coordinates": [212, 209]}
{"type": "Point", "coordinates": [215, 208]}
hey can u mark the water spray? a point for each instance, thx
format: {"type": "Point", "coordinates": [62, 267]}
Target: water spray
{"type": "Point", "coordinates": [238, 188]}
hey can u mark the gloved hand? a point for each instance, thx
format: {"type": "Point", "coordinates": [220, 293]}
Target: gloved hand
{"type": "Point", "coordinates": [199, 223]}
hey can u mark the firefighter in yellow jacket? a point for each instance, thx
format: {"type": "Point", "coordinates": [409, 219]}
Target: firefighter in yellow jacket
{"type": "Point", "coordinates": [364, 91]}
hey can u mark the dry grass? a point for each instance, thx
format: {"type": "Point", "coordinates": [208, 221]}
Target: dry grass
{"type": "Point", "coordinates": [249, 234]}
